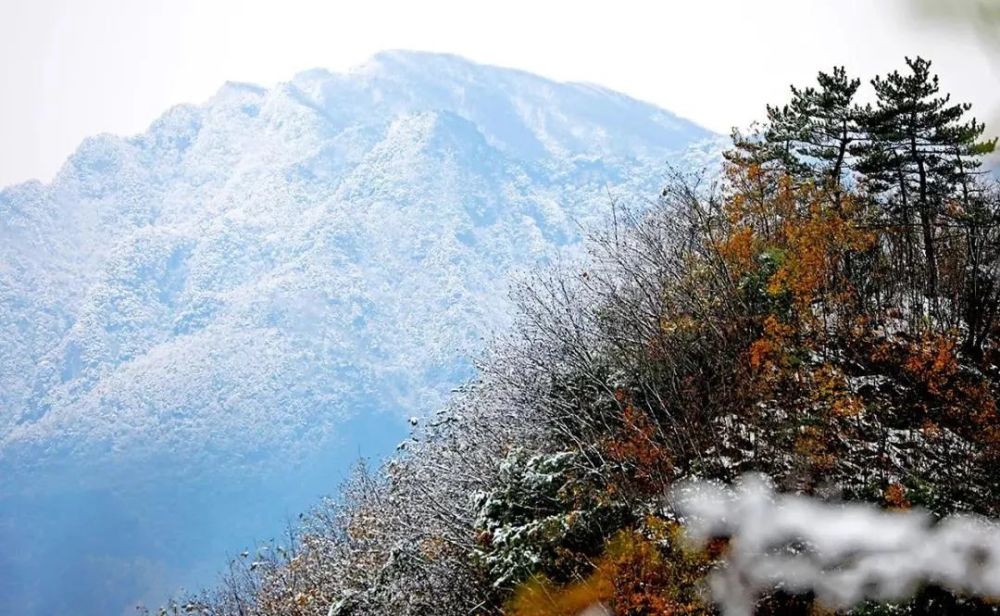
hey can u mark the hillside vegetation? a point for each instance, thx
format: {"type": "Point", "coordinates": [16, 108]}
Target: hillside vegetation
{"type": "Point", "coordinates": [823, 311]}
{"type": "Point", "coordinates": [199, 323]}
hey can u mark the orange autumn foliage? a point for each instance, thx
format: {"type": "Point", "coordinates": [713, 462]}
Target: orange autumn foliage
{"type": "Point", "coordinates": [790, 248]}
{"type": "Point", "coordinates": [932, 361]}
{"type": "Point", "coordinates": [815, 243]}
{"type": "Point", "coordinates": [795, 242]}
{"type": "Point", "coordinates": [829, 385]}
{"type": "Point", "coordinates": [644, 572]}
{"type": "Point", "coordinates": [961, 400]}
{"type": "Point", "coordinates": [738, 250]}
{"type": "Point", "coordinates": [637, 448]}
{"type": "Point", "coordinates": [539, 597]}
{"type": "Point", "coordinates": [769, 353]}
{"type": "Point", "coordinates": [895, 496]}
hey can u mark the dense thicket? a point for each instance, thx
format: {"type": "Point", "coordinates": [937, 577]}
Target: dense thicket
{"type": "Point", "coordinates": [824, 311]}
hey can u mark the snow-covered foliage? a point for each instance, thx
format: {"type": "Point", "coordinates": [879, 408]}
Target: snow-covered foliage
{"type": "Point", "coordinates": [254, 267]}
{"type": "Point", "coordinates": [537, 508]}
{"type": "Point", "coordinates": [844, 553]}
{"type": "Point", "coordinates": [214, 300]}
{"type": "Point", "coordinates": [511, 480]}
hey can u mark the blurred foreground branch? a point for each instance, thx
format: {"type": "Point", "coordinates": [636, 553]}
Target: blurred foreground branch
{"type": "Point", "coordinates": [844, 553]}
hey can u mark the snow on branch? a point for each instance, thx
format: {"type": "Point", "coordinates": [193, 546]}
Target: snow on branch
{"type": "Point", "coordinates": [844, 553]}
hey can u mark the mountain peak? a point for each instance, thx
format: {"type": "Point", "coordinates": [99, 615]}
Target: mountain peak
{"type": "Point", "coordinates": [230, 293]}
{"type": "Point", "coordinates": [270, 155]}
{"type": "Point", "coordinates": [409, 59]}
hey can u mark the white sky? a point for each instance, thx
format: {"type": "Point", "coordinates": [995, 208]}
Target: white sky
{"type": "Point", "coordinates": [72, 68]}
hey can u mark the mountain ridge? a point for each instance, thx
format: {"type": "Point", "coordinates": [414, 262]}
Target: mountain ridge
{"type": "Point", "coordinates": [200, 168]}
{"type": "Point", "coordinates": [209, 321]}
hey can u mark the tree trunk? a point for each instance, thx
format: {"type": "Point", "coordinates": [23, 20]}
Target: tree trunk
{"type": "Point", "coordinates": [930, 255]}
{"type": "Point", "coordinates": [926, 222]}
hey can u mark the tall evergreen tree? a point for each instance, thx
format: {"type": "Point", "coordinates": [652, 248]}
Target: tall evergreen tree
{"type": "Point", "coordinates": [919, 154]}
{"type": "Point", "coordinates": [818, 127]}
{"type": "Point", "coordinates": [809, 139]}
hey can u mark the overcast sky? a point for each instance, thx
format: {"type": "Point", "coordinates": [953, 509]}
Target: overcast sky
{"type": "Point", "coordinates": [72, 68]}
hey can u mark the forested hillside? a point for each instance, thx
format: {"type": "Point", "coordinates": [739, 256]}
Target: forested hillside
{"type": "Point", "coordinates": [823, 310]}
{"type": "Point", "coordinates": [203, 325]}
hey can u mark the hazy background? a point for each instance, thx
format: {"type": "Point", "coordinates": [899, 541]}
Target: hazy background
{"type": "Point", "coordinates": [71, 69]}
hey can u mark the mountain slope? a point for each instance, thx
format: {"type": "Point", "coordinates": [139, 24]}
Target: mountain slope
{"type": "Point", "coordinates": [223, 293]}
{"type": "Point", "coordinates": [350, 233]}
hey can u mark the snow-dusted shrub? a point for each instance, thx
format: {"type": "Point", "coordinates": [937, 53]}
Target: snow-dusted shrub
{"type": "Point", "coordinates": [546, 515]}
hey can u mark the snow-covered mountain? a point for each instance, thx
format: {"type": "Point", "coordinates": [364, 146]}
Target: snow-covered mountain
{"type": "Point", "coordinates": [232, 290]}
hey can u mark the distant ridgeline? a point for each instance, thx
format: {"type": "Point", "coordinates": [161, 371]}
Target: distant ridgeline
{"type": "Point", "coordinates": [250, 269]}
{"type": "Point", "coordinates": [202, 326]}
{"type": "Point", "coordinates": [825, 314]}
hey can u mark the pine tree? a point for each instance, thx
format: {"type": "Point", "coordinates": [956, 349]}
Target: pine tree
{"type": "Point", "coordinates": [818, 127]}
{"type": "Point", "coordinates": [919, 155]}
